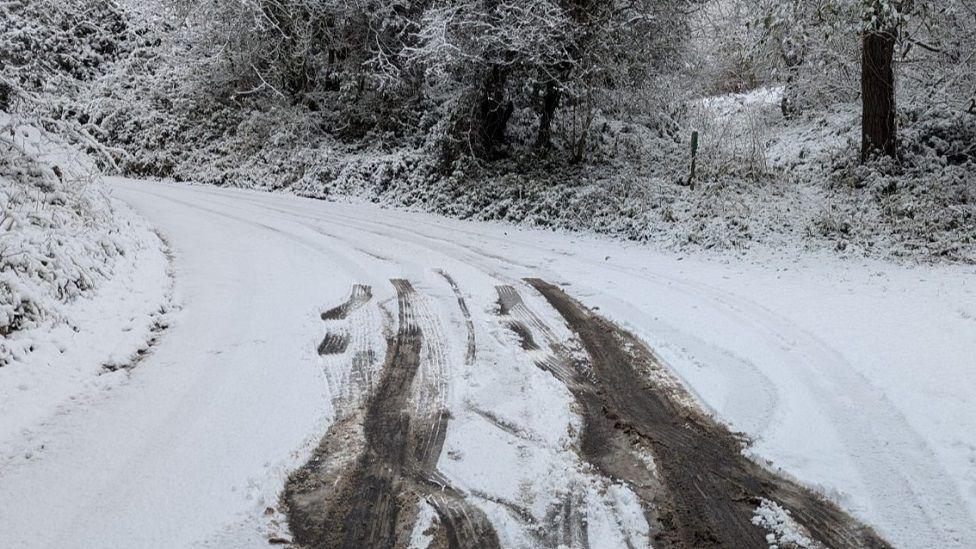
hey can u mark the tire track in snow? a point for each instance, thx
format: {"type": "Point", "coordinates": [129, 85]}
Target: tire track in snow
{"type": "Point", "coordinates": [350, 327]}
{"type": "Point", "coordinates": [464, 525]}
{"type": "Point", "coordinates": [365, 509]}
{"type": "Point", "coordinates": [874, 423]}
{"type": "Point", "coordinates": [371, 499]}
{"type": "Point", "coordinates": [361, 294]}
{"type": "Point", "coordinates": [601, 445]}
{"type": "Point", "coordinates": [713, 490]}
{"type": "Point", "coordinates": [333, 344]}
{"type": "Point", "coordinates": [470, 350]}
{"type": "Point", "coordinates": [336, 340]}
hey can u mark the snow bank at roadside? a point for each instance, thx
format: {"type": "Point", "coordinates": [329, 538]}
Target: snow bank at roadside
{"type": "Point", "coordinates": [83, 280]}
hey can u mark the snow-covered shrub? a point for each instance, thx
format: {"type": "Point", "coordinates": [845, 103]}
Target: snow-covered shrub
{"type": "Point", "coordinates": [48, 45]}
{"type": "Point", "coordinates": [145, 108]}
{"type": "Point", "coordinates": [937, 140]}
{"type": "Point", "coordinates": [58, 236]}
{"type": "Point", "coordinates": [49, 51]}
{"type": "Point", "coordinates": [925, 200]}
{"type": "Point", "coordinates": [734, 133]}
{"type": "Point", "coordinates": [404, 74]}
{"type": "Point", "coordinates": [341, 58]}
{"type": "Point", "coordinates": [515, 77]}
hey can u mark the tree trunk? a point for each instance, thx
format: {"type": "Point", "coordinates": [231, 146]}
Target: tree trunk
{"type": "Point", "coordinates": [878, 131]}
{"type": "Point", "coordinates": [493, 112]}
{"type": "Point", "coordinates": [793, 58]}
{"type": "Point", "coordinates": [547, 110]}
{"type": "Point", "coordinates": [6, 94]}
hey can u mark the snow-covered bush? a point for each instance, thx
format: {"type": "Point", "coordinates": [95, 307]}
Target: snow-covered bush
{"type": "Point", "coordinates": [58, 236]}
{"type": "Point", "coordinates": [926, 200]}
{"type": "Point", "coordinates": [545, 68]}
{"type": "Point", "coordinates": [340, 58]}
{"type": "Point", "coordinates": [50, 45]}
{"type": "Point", "coordinates": [734, 133]}
{"type": "Point", "coordinates": [49, 51]}
{"type": "Point", "coordinates": [483, 79]}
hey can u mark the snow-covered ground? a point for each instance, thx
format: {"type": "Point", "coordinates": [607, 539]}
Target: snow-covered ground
{"type": "Point", "coordinates": [855, 377]}
{"type": "Point", "coordinates": [84, 287]}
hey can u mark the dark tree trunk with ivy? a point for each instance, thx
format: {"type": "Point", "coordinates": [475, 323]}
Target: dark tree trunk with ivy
{"type": "Point", "coordinates": [494, 112]}
{"type": "Point", "coordinates": [879, 135]}
{"type": "Point", "coordinates": [549, 102]}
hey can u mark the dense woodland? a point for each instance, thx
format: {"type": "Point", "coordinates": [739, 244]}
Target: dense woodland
{"type": "Point", "coordinates": [563, 113]}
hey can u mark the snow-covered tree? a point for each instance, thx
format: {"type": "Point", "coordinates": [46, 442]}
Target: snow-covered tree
{"type": "Point", "coordinates": [461, 67]}
{"type": "Point", "coordinates": [874, 50]}
{"type": "Point", "coordinates": [484, 59]}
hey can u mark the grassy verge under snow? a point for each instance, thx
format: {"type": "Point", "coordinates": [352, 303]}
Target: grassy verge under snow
{"type": "Point", "coordinates": [61, 237]}
{"type": "Point", "coordinates": [762, 182]}
{"type": "Point", "coordinates": [84, 283]}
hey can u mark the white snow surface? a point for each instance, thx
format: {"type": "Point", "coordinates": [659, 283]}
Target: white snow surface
{"type": "Point", "coordinates": [854, 377]}
{"type": "Point", "coordinates": [84, 280]}
{"type": "Point", "coordinates": [783, 530]}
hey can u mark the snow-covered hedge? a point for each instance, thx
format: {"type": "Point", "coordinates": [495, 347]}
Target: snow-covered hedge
{"type": "Point", "coordinates": [51, 247]}
{"type": "Point", "coordinates": [59, 238]}
{"type": "Point", "coordinates": [926, 200]}
{"type": "Point", "coordinates": [762, 180]}
{"type": "Point", "coordinates": [48, 45]}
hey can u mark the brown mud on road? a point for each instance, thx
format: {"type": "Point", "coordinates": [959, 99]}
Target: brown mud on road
{"type": "Point", "coordinates": [366, 483]}
{"type": "Point", "coordinates": [363, 485]}
{"type": "Point", "coordinates": [709, 490]}
{"type": "Point", "coordinates": [610, 451]}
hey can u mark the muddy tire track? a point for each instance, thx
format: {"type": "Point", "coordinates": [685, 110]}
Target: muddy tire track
{"type": "Point", "coordinates": [361, 294]}
{"type": "Point", "coordinates": [711, 490]}
{"type": "Point", "coordinates": [365, 508]}
{"type": "Point", "coordinates": [333, 344]}
{"type": "Point", "coordinates": [363, 484]}
{"type": "Point", "coordinates": [608, 450]}
{"type": "Point", "coordinates": [349, 360]}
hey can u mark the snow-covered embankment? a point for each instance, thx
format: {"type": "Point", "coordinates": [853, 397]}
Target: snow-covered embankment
{"type": "Point", "coordinates": [84, 286]}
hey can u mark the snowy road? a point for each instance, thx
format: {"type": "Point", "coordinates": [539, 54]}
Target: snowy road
{"type": "Point", "coordinates": [854, 378]}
